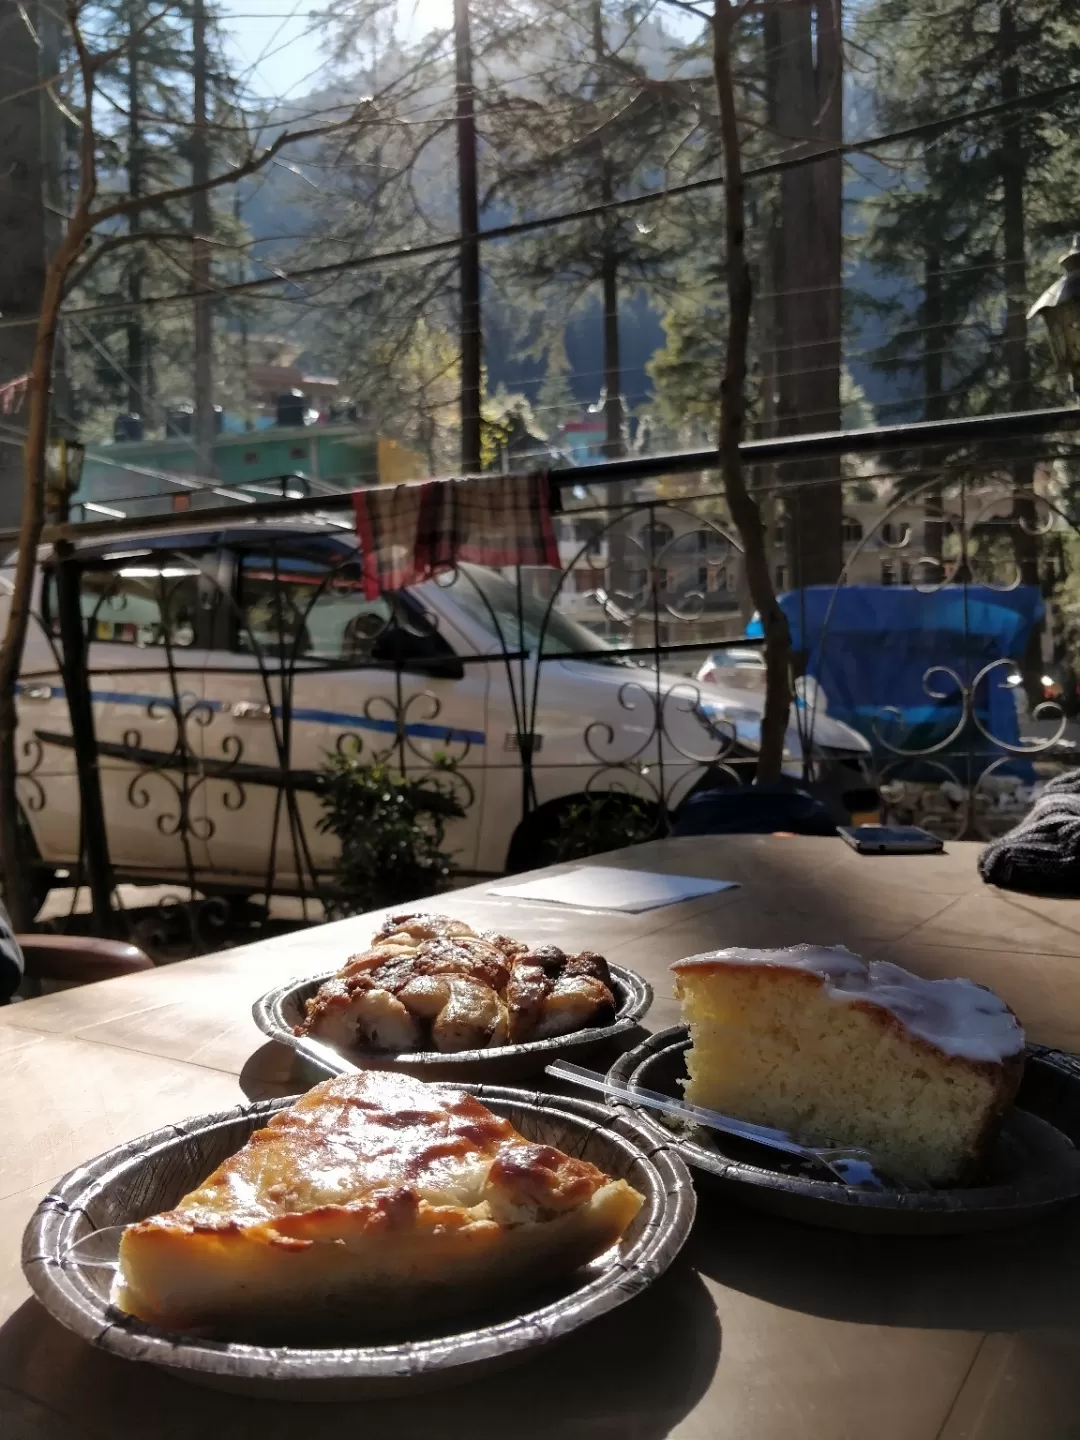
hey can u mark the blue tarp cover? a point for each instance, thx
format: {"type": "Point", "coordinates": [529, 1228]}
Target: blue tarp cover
{"type": "Point", "coordinates": [870, 648]}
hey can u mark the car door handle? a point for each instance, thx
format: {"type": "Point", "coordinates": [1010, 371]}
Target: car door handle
{"type": "Point", "coordinates": [251, 710]}
{"type": "Point", "coordinates": [37, 692]}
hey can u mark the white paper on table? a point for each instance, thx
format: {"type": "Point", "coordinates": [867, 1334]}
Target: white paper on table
{"type": "Point", "coordinates": [604, 887]}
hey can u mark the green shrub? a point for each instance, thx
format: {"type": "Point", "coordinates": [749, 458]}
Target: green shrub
{"type": "Point", "coordinates": [605, 821]}
{"type": "Point", "coordinates": [391, 831]}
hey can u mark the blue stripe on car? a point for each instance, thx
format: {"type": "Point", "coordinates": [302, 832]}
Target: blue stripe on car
{"type": "Point", "coordinates": [417, 730]}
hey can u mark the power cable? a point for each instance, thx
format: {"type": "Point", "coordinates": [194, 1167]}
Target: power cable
{"type": "Point", "coordinates": [547, 222]}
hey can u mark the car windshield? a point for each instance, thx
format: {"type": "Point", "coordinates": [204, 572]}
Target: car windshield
{"type": "Point", "coordinates": [492, 601]}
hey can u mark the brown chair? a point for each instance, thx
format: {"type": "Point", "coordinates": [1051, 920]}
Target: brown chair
{"type": "Point", "coordinates": [77, 960]}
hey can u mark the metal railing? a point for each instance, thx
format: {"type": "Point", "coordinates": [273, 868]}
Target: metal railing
{"type": "Point", "coordinates": [196, 670]}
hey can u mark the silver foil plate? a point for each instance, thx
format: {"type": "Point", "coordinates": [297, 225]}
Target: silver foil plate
{"type": "Point", "coordinates": [278, 1011]}
{"type": "Point", "coordinates": [1033, 1169]}
{"type": "Point", "coordinates": [152, 1173]}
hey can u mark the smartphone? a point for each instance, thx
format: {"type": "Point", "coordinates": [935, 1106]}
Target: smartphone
{"type": "Point", "coordinates": [890, 839]}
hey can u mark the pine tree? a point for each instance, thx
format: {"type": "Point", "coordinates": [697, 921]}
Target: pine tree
{"type": "Point", "coordinates": [974, 221]}
{"type": "Point", "coordinates": [969, 227]}
{"type": "Point", "coordinates": [556, 404]}
{"type": "Point", "coordinates": [597, 124]}
{"type": "Point", "coordinates": [137, 360]}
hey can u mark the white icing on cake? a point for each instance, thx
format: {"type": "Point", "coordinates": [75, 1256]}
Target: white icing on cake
{"type": "Point", "coordinates": [957, 1016]}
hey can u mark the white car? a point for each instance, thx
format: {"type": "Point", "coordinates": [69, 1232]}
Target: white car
{"type": "Point", "coordinates": [192, 752]}
{"type": "Point", "coordinates": [721, 663]}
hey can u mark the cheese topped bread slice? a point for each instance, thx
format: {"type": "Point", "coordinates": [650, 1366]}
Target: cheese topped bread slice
{"type": "Point", "coordinates": [375, 1201]}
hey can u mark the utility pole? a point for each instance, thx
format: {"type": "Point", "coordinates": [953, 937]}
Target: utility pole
{"type": "Point", "coordinates": [245, 358]}
{"type": "Point", "coordinates": [804, 86]}
{"type": "Point", "coordinates": [469, 224]}
{"type": "Point", "coordinates": [614, 446]}
{"type": "Point", "coordinates": [137, 366]}
{"type": "Point", "coordinates": [23, 221]}
{"type": "Point", "coordinates": [205, 427]}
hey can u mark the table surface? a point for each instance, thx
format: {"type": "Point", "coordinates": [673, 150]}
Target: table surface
{"type": "Point", "coordinates": [763, 1329]}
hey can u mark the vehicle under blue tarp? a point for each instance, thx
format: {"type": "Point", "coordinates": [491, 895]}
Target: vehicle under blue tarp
{"type": "Point", "coordinates": [883, 656]}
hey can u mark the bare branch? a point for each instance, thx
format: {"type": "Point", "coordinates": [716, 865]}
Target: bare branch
{"type": "Point", "coordinates": [106, 57]}
{"type": "Point", "coordinates": [250, 166]}
{"type": "Point", "coordinates": [131, 237]}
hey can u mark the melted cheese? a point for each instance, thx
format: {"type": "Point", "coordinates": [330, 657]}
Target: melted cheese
{"type": "Point", "coordinates": [376, 1138]}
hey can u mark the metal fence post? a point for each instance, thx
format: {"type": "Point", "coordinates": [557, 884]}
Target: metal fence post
{"type": "Point", "coordinates": [95, 842]}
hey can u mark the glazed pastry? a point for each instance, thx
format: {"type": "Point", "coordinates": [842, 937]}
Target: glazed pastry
{"type": "Point", "coordinates": [431, 983]}
{"type": "Point", "coordinates": [374, 1200]}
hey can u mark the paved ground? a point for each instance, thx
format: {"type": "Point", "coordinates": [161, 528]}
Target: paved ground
{"type": "Point", "coordinates": [168, 924]}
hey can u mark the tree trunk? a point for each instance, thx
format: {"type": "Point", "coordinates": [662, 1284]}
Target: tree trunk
{"type": "Point", "coordinates": [1017, 359]}
{"type": "Point", "coordinates": [609, 269]}
{"type": "Point", "coordinates": [12, 843]}
{"type": "Point", "coordinates": [205, 423]}
{"type": "Point", "coordinates": [469, 225]}
{"type": "Point", "coordinates": [23, 240]}
{"type": "Point", "coordinates": [804, 84]}
{"type": "Point", "coordinates": [242, 316]}
{"type": "Point", "coordinates": [614, 440]}
{"type": "Point", "coordinates": [618, 579]}
{"type": "Point", "coordinates": [741, 504]}
{"type": "Point", "coordinates": [934, 406]}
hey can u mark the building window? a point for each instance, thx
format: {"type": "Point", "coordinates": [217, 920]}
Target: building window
{"type": "Point", "coordinates": [888, 573]}
{"type": "Point", "coordinates": [905, 573]}
{"type": "Point", "coordinates": [851, 531]}
{"type": "Point", "coordinates": [654, 537]}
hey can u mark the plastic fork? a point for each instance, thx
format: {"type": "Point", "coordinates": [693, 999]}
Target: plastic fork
{"type": "Point", "coordinates": [859, 1169]}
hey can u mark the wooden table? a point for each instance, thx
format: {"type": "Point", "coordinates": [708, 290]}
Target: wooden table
{"type": "Point", "coordinates": [763, 1330]}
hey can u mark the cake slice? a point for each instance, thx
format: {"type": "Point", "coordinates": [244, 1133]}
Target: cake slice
{"type": "Point", "coordinates": [375, 1200]}
{"type": "Point", "coordinates": [815, 1041]}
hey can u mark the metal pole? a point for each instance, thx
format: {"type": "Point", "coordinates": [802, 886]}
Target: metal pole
{"type": "Point", "coordinates": [95, 842]}
{"type": "Point", "coordinates": [202, 223]}
{"type": "Point", "coordinates": [469, 217]}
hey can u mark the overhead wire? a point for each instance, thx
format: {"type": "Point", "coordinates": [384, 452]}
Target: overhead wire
{"type": "Point", "coordinates": [435, 247]}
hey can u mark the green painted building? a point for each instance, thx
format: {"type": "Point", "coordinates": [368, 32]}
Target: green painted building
{"type": "Point", "coordinates": [139, 477]}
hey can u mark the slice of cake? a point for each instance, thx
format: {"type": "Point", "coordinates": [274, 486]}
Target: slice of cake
{"type": "Point", "coordinates": [374, 1200]}
{"type": "Point", "coordinates": [815, 1041]}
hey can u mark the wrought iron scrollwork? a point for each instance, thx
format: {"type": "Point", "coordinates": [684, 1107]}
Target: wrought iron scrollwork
{"type": "Point", "coordinates": [659, 579]}
{"type": "Point", "coordinates": [972, 779]}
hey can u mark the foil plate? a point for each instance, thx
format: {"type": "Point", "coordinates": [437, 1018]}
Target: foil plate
{"type": "Point", "coordinates": [152, 1173]}
{"type": "Point", "coordinates": [1033, 1170]}
{"type": "Point", "coordinates": [279, 1010]}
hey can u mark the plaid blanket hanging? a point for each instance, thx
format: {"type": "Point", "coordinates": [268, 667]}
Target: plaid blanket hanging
{"type": "Point", "coordinates": [409, 533]}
